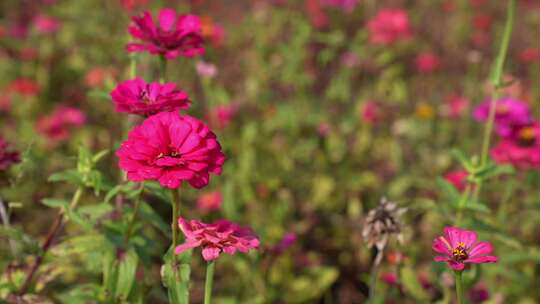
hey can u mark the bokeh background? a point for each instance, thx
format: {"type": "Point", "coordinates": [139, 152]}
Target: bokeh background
{"type": "Point", "coordinates": [318, 122]}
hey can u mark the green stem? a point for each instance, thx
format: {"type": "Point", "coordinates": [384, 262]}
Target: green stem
{"type": "Point", "coordinates": [462, 202]}
{"type": "Point", "coordinates": [174, 224]}
{"type": "Point", "coordinates": [459, 287]}
{"type": "Point", "coordinates": [162, 68]}
{"type": "Point", "coordinates": [136, 208]}
{"type": "Point", "coordinates": [132, 66]}
{"type": "Point", "coordinates": [374, 274]}
{"type": "Point", "coordinates": [209, 282]}
{"type": "Point", "coordinates": [497, 82]}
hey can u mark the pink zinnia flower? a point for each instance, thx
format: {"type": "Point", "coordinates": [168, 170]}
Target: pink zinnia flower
{"type": "Point", "coordinates": [427, 62]}
{"type": "Point", "coordinates": [390, 278]}
{"type": "Point", "coordinates": [57, 125]}
{"type": "Point", "coordinates": [521, 149]}
{"type": "Point", "coordinates": [389, 26]}
{"type": "Point", "coordinates": [175, 35]}
{"type": "Point", "coordinates": [171, 148]}
{"type": "Point", "coordinates": [46, 24]}
{"type": "Point", "coordinates": [371, 112]}
{"type": "Point", "coordinates": [221, 236]}
{"type": "Point", "coordinates": [509, 113]}
{"type": "Point", "coordinates": [138, 97]}
{"type": "Point", "coordinates": [459, 247]}
{"type": "Point", "coordinates": [25, 87]}
{"type": "Point", "coordinates": [8, 157]}
{"type": "Point", "coordinates": [457, 178]}
{"type": "Point", "coordinates": [206, 69]}
{"type": "Point", "coordinates": [210, 201]}
{"type": "Point", "coordinates": [221, 116]}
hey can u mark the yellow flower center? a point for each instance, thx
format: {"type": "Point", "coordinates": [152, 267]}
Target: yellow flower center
{"type": "Point", "coordinates": [527, 133]}
{"type": "Point", "coordinates": [459, 253]}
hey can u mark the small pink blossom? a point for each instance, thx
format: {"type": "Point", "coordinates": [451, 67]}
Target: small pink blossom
{"type": "Point", "coordinates": [509, 113]}
{"type": "Point", "coordinates": [46, 24]}
{"type": "Point", "coordinates": [206, 69]}
{"type": "Point", "coordinates": [389, 26]}
{"type": "Point", "coordinates": [96, 76]}
{"type": "Point", "coordinates": [8, 156]}
{"type": "Point", "coordinates": [135, 96]}
{"type": "Point", "coordinates": [171, 148]}
{"type": "Point", "coordinates": [371, 112]}
{"type": "Point", "coordinates": [173, 36]}
{"type": "Point", "coordinates": [215, 238]}
{"type": "Point", "coordinates": [221, 116]}
{"type": "Point", "coordinates": [460, 247]}
{"type": "Point", "coordinates": [478, 294]}
{"type": "Point", "coordinates": [57, 126]}
{"type": "Point", "coordinates": [287, 241]}
{"type": "Point", "coordinates": [457, 178]}
{"type": "Point", "coordinates": [427, 62]}
{"type": "Point", "coordinates": [529, 55]}
{"type": "Point", "coordinates": [316, 15]}
{"type": "Point", "coordinates": [210, 201]}
{"type": "Point", "coordinates": [455, 106]}
{"type": "Point", "coordinates": [25, 87]}
{"type": "Point", "coordinates": [390, 279]}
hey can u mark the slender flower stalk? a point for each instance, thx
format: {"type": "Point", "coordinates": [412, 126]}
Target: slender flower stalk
{"type": "Point", "coordinates": [133, 218]}
{"type": "Point", "coordinates": [210, 267]}
{"type": "Point", "coordinates": [53, 231]}
{"type": "Point", "coordinates": [497, 81]}
{"type": "Point", "coordinates": [459, 287]}
{"type": "Point", "coordinates": [174, 224]}
{"type": "Point", "coordinates": [162, 68]}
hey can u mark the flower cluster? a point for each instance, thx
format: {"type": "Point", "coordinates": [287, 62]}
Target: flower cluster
{"type": "Point", "coordinates": [215, 238]}
{"type": "Point", "coordinates": [519, 132]}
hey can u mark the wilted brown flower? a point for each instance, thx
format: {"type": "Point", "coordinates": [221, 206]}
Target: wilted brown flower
{"type": "Point", "coordinates": [381, 223]}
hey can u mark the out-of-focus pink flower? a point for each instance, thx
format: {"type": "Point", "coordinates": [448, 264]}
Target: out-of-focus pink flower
{"type": "Point", "coordinates": [427, 62]}
{"type": "Point", "coordinates": [95, 77]}
{"type": "Point", "coordinates": [46, 24]}
{"type": "Point", "coordinates": [215, 238]}
{"type": "Point", "coordinates": [206, 69]}
{"type": "Point", "coordinates": [57, 125]}
{"type": "Point", "coordinates": [171, 148]}
{"type": "Point", "coordinates": [521, 149]}
{"type": "Point", "coordinates": [478, 294]}
{"type": "Point", "coordinates": [287, 241]}
{"type": "Point", "coordinates": [210, 201]}
{"type": "Point", "coordinates": [482, 22]}
{"type": "Point", "coordinates": [5, 103]}
{"type": "Point", "coordinates": [173, 36]}
{"type": "Point", "coordinates": [345, 5]}
{"type": "Point", "coordinates": [135, 96]}
{"type": "Point", "coordinates": [133, 4]}
{"type": "Point", "coordinates": [390, 278]}
{"type": "Point", "coordinates": [213, 32]}
{"type": "Point", "coordinates": [371, 112]}
{"type": "Point", "coordinates": [317, 16]}
{"type": "Point", "coordinates": [455, 106]}
{"type": "Point", "coordinates": [510, 113]}
{"type": "Point", "coordinates": [457, 178]}
{"type": "Point", "coordinates": [529, 55]}
{"type": "Point", "coordinates": [459, 247]}
{"type": "Point", "coordinates": [221, 116]}
{"type": "Point", "coordinates": [349, 60]}
{"type": "Point", "coordinates": [389, 26]}
{"type": "Point", "coordinates": [25, 87]}
{"type": "Point", "coordinates": [8, 157]}
{"type": "Point", "coordinates": [324, 129]}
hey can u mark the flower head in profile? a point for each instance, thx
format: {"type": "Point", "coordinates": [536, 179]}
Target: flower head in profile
{"type": "Point", "coordinates": [8, 156]}
{"type": "Point", "coordinates": [389, 26]}
{"type": "Point", "coordinates": [521, 148]}
{"type": "Point", "coordinates": [174, 35]}
{"type": "Point", "coordinates": [383, 222]}
{"type": "Point", "coordinates": [171, 148]}
{"type": "Point", "coordinates": [509, 113]}
{"type": "Point", "coordinates": [220, 236]}
{"type": "Point", "coordinates": [58, 125]}
{"type": "Point", "coordinates": [135, 96]}
{"type": "Point", "coordinates": [210, 201]}
{"type": "Point", "coordinates": [460, 247]}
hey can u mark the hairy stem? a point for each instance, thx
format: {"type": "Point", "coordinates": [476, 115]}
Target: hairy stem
{"type": "Point", "coordinates": [210, 267]}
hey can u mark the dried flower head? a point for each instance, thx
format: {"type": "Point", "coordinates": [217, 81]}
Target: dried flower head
{"type": "Point", "coordinates": [383, 222]}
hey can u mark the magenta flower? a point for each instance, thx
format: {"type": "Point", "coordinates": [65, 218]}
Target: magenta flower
{"type": "Point", "coordinates": [57, 126]}
{"type": "Point", "coordinates": [389, 26]}
{"type": "Point", "coordinates": [46, 24]}
{"type": "Point", "coordinates": [221, 116]}
{"type": "Point", "coordinates": [509, 113]}
{"type": "Point", "coordinates": [173, 36]}
{"type": "Point", "coordinates": [210, 201]}
{"type": "Point", "coordinates": [427, 62]}
{"type": "Point", "coordinates": [8, 157]}
{"type": "Point", "coordinates": [459, 247]}
{"type": "Point", "coordinates": [171, 148]}
{"type": "Point", "coordinates": [287, 241]}
{"type": "Point", "coordinates": [205, 69]}
{"type": "Point", "coordinates": [138, 97]}
{"type": "Point", "coordinates": [221, 236]}
{"type": "Point", "coordinates": [457, 178]}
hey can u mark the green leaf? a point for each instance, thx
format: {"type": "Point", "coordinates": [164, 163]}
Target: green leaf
{"type": "Point", "coordinates": [177, 283]}
{"type": "Point", "coordinates": [411, 284]}
{"type": "Point", "coordinates": [68, 176]}
{"type": "Point", "coordinates": [126, 274]}
{"type": "Point", "coordinates": [460, 156]}
{"type": "Point", "coordinates": [55, 203]}
{"type": "Point", "coordinates": [449, 191]}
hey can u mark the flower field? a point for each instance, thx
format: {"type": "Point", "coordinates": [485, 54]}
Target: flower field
{"type": "Point", "coordinates": [269, 151]}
